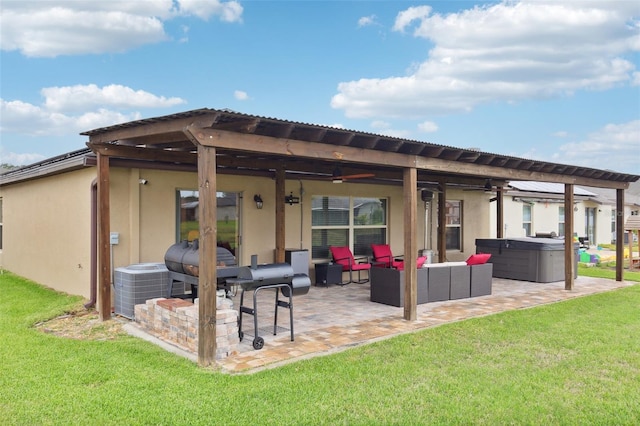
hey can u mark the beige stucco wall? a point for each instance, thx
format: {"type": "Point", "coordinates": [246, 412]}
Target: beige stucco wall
{"type": "Point", "coordinates": [46, 230]}
{"type": "Point", "coordinates": [475, 221]}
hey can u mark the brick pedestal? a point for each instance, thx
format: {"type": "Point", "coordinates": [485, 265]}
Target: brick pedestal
{"type": "Point", "coordinates": [176, 321]}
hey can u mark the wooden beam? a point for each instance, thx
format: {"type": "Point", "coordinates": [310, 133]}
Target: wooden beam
{"type": "Point", "coordinates": [150, 154]}
{"type": "Point", "coordinates": [104, 230]}
{"type": "Point", "coordinates": [442, 222]}
{"type": "Point", "coordinates": [410, 190]}
{"type": "Point", "coordinates": [620, 235]}
{"type": "Point", "coordinates": [330, 152]}
{"type": "Point", "coordinates": [280, 214]}
{"type": "Point", "coordinates": [292, 148]}
{"type": "Point", "coordinates": [152, 129]}
{"type": "Point", "coordinates": [569, 255]}
{"type": "Point", "coordinates": [500, 212]}
{"type": "Point", "coordinates": [207, 255]}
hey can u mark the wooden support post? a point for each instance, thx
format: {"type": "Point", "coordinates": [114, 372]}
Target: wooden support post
{"type": "Point", "coordinates": [207, 286]}
{"type": "Point", "coordinates": [442, 222]}
{"type": "Point", "coordinates": [280, 214]}
{"type": "Point", "coordinates": [104, 230]}
{"type": "Point", "coordinates": [569, 256]}
{"type": "Point", "coordinates": [500, 212]}
{"type": "Point", "coordinates": [620, 234]}
{"type": "Point", "coordinates": [410, 189]}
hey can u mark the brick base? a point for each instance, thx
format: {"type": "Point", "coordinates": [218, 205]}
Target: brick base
{"type": "Point", "coordinates": [176, 321]}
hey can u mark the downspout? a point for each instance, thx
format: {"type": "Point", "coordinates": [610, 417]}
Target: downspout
{"type": "Point", "coordinates": [93, 281]}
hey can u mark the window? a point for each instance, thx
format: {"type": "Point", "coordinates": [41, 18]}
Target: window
{"type": "Point", "coordinates": [590, 224]}
{"type": "Point", "coordinates": [453, 218]}
{"type": "Point", "coordinates": [347, 221]}
{"type": "Point", "coordinates": [526, 219]}
{"type": "Point", "coordinates": [561, 221]}
{"type": "Point", "coordinates": [228, 214]}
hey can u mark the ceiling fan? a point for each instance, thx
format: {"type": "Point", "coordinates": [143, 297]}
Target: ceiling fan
{"type": "Point", "coordinates": [338, 177]}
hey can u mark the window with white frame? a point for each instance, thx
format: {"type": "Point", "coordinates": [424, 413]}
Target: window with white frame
{"type": "Point", "coordinates": [355, 222]}
{"type": "Point", "coordinates": [526, 219]}
{"type": "Point", "coordinates": [453, 219]}
{"type": "Point", "coordinates": [561, 221]}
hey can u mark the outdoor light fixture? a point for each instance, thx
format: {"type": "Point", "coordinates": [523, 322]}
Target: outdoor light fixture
{"type": "Point", "coordinates": [487, 185]}
{"type": "Point", "coordinates": [258, 199]}
{"type": "Point", "coordinates": [143, 181]}
{"type": "Point", "coordinates": [291, 199]}
{"type": "Point", "coordinates": [336, 176]}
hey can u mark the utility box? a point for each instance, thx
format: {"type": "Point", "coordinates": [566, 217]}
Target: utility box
{"type": "Point", "coordinates": [527, 259]}
{"type": "Point", "coordinates": [298, 259]}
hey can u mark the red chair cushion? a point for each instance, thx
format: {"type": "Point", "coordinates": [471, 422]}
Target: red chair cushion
{"type": "Point", "coordinates": [382, 254]}
{"type": "Point", "coordinates": [478, 259]}
{"type": "Point", "coordinates": [342, 255]}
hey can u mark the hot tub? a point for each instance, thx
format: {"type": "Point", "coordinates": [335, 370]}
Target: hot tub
{"type": "Point", "coordinates": [527, 259]}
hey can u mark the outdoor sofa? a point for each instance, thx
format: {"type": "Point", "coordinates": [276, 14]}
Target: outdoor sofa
{"type": "Point", "coordinates": [436, 282]}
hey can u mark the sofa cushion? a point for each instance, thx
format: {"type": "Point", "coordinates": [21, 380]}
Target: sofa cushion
{"type": "Point", "coordinates": [478, 259]}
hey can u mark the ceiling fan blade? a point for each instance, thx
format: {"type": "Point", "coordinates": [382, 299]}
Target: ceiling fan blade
{"type": "Point", "coordinates": [358, 176]}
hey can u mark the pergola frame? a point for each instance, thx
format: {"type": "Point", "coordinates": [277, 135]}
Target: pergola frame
{"type": "Point", "coordinates": [219, 141]}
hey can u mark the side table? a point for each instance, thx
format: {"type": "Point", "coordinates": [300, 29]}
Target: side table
{"type": "Point", "coordinates": [328, 273]}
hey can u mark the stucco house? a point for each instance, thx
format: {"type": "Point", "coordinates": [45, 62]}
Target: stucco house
{"type": "Point", "coordinates": [69, 221]}
{"type": "Point", "coordinates": [535, 208]}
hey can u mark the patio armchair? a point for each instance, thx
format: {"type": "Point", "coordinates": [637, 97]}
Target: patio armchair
{"type": "Point", "coordinates": [342, 256]}
{"type": "Point", "coordinates": [383, 257]}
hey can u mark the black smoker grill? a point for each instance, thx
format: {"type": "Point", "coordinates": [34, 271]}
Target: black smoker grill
{"type": "Point", "coordinates": [182, 261]}
{"type": "Point", "coordinates": [278, 276]}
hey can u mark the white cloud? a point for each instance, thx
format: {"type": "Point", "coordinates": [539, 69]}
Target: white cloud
{"type": "Point", "coordinates": [405, 17]}
{"type": "Point", "coordinates": [230, 11]}
{"type": "Point", "coordinates": [73, 109]}
{"type": "Point", "coordinates": [240, 95]}
{"type": "Point", "coordinates": [379, 124]}
{"type": "Point", "coordinates": [53, 28]}
{"type": "Point", "coordinates": [32, 120]}
{"type": "Point", "coordinates": [617, 143]}
{"type": "Point", "coordinates": [83, 97]}
{"type": "Point", "coordinates": [561, 134]}
{"type": "Point", "coordinates": [366, 21]}
{"type": "Point", "coordinates": [506, 52]}
{"type": "Point", "coordinates": [428, 127]}
{"type": "Point", "coordinates": [15, 159]}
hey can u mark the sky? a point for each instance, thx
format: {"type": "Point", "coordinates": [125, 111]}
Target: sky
{"type": "Point", "coordinates": [554, 81]}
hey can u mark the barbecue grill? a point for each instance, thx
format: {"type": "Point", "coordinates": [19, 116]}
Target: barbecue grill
{"type": "Point", "coordinates": [182, 261]}
{"type": "Point", "coordinates": [277, 276]}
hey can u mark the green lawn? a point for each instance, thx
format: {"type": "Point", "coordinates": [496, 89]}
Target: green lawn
{"type": "Point", "coordinates": [575, 362]}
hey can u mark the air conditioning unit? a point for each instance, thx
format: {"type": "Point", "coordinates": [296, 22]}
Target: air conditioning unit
{"type": "Point", "coordinates": [135, 284]}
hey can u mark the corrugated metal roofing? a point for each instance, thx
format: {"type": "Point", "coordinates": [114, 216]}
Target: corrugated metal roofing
{"type": "Point", "coordinates": [548, 187]}
{"type": "Point", "coordinates": [264, 126]}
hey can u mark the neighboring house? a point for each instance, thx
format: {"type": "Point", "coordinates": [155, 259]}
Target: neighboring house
{"type": "Point", "coordinates": [538, 208]}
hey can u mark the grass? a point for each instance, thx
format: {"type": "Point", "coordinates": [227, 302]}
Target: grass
{"type": "Point", "coordinates": [606, 271]}
{"type": "Point", "coordinates": [575, 362]}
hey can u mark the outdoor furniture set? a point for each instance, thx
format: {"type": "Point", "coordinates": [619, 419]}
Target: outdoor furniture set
{"type": "Point", "coordinates": [436, 281]}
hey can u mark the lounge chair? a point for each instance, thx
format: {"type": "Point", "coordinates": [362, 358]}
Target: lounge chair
{"type": "Point", "coordinates": [342, 255]}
